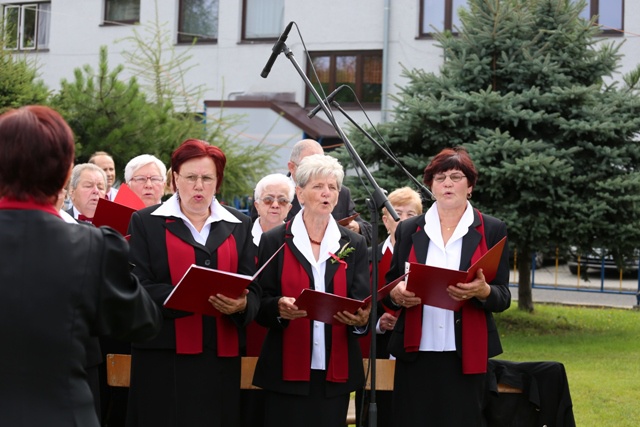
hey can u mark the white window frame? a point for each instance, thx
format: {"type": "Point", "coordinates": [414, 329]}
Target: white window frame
{"type": "Point", "coordinates": [41, 25]}
{"type": "Point", "coordinates": [262, 19]}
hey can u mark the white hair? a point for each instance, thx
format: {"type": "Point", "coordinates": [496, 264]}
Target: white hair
{"type": "Point", "coordinates": [319, 165]}
{"type": "Point", "coordinates": [141, 161]}
{"type": "Point", "coordinates": [274, 179]}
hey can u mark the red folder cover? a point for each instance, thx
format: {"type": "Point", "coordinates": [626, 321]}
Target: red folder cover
{"type": "Point", "coordinates": [430, 283]}
{"type": "Point", "coordinates": [386, 289]}
{"type": "Point", "coordinates": [127, 197]}
{"type": "Point", "coordinates": [114, 215]}
{"type": "Point", "coordinates": [322, 306]}
{"type": "Point", "coordinates": [196, 286]}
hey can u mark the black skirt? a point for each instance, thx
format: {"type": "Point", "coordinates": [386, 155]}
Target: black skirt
{"type": "Point", "coordinates": [432, 391]}
{"type": "Point", "coordinates": [176, 390]}
{"type": "Point", "coordinates": [314, 410]}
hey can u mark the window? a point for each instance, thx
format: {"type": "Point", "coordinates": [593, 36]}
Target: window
{"type": "Point", "coordinates": [262, 19]}
{"type": "Point", "coordinates": [198, 21]}
{"type": "Point", "coordinates": [122, 11]}
{"type": "Point", "coordinates": [610, 14]}
{"type": "Point", "coordinates": [361, 70]}
{"type": "Point", "coordinates": [26, 26]}
{"type": "Point", "coordinates": [439, 15]}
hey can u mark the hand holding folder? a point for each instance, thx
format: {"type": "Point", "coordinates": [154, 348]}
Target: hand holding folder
{"type": "Point", "coordinates": [322, 306]}
{"type": "Point", "coordinates": [430, 283]}
{"type": "Point", "coordinates": [196, 286]}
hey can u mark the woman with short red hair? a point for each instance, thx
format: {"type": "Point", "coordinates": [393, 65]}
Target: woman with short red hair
{"type": "Point", "coordinates": [441, 354]}
{"type": "Point", "coordinates": [190, 374]}
{"type": "Point", "coordinates": [62, 285]}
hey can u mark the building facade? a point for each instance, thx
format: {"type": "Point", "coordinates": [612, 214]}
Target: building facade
{"type": "Point", "coordinates": [364, 44]}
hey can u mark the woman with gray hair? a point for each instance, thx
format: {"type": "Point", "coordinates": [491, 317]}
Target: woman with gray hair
{"type": "Point", "coordinates": [308, 368]}
{"type": "Point", "coordinates": [272, 200]}
{"type": "Point", "coordinates": [145, 175]}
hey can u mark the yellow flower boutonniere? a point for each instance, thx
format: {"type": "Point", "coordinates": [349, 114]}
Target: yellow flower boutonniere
{"type": "Point", "coordinates": [342, 253]}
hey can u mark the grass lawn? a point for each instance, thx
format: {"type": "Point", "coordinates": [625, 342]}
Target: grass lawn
{"type": "Point", "coordinates": [599, 347]}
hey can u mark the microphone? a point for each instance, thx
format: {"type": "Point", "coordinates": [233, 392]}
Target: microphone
{"type": "Point", "coordinates": [328, 100]}
{"type": "Point", "coordinates": [277, 48]}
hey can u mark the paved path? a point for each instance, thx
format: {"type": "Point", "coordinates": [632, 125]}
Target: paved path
{"type": "Point", "coordinates": [551, 280]}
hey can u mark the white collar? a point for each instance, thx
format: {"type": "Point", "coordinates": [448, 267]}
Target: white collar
{"type": "Point", "coordinates": [172, 208]}
{"type": "Point", "coordinates": [387, 246]}
{"type": "Point", "coordinates": [330, 241]}
{"type": "Point", "coordinates": [432, 225]}
{"type": "Point", "coordinates": [256, 231]}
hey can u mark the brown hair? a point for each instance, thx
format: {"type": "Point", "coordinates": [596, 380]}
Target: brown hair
{"type": "Point", "coordinates": [451, 158]}
{"type": "Point", "coordinates": [36, 153]}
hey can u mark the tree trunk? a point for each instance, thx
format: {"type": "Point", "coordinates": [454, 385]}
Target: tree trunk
{"type": "Point", "coordinates": [525, 298]}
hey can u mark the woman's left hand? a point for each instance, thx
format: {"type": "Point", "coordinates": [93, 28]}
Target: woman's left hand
{"type": "Point", "coordinates": [478, 288]}
{"type": "Point", "coordinates": [226, 305]}
{"type": "Point", "coordinates": [361, 318]}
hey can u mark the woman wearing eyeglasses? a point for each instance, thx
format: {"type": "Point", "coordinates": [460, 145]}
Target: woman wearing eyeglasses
{"type": "Point", "coordinates": [308, 368]}
{"type": "Point", "coordinates": [145, 175]}
{"type": "Point", "coordinates": [272, 201]}
{"type": "Point", "coordinates": [442, 354]}
{"type": "Point", "coordinates": [190, 374]}
{"type": "Point", "coordinates": [273, 196]}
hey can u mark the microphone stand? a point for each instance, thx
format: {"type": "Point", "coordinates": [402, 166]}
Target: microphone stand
{"type": "Point", "coordinates": [426, 194]}
{"type": "Point", "coordinates": [379, 200]}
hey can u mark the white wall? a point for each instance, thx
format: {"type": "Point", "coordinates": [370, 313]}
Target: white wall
{"type": "Point", "coordinates": [231, 66]}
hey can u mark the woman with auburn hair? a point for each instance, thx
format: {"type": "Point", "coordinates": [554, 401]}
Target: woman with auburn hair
{"type": "Point", "coordinates": [50, 315]}
{"type": "Point", "coordinates": [189, 375]}
{"type": "Point", "coordinates": [441, 355]}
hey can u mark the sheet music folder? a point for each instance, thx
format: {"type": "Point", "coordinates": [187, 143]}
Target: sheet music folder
{"type": "Point", "coordinates": [117, 213]}
{"type": "Point", "coordinates": [322, 306]}
{"type": "Point", "coordinates": [199, 283]}
{"type": "Point", "coordinates": [113, 215]}
{"type": "Point", "coordinates": [430, 283]}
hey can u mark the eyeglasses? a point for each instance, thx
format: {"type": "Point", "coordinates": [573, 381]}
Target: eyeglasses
{"type": "Point", "coordinates": [455, 177]}
{"type": "Point", "coordinates": [192, 179]}
{"type": "Point", "coordinates": [268, 200]}
{"type": "Point", "coordinates": [141, 179]}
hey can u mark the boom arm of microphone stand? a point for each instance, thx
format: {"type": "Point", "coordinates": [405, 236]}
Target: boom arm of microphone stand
{"type": "Point", "coordinates": [378, 195]}
{"type": "Point", "coordinates": [380, 200]}
{"type": "Point", "coordinates": [424, 190]}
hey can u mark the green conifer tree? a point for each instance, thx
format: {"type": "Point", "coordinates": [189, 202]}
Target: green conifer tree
{"type": "Point", "coordinates": [527, 87]}
{"type": "Point", "coordinates": [19, 83]}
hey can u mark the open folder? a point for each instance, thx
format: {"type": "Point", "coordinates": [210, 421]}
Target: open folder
{"type": "Point", "coordinates": [322, 306]}
{"type": "Point", "coordinates": [117, 214]}
{"type": "Point", "coordinates": [430, 283]}
{"type": "Point", "coordinates": [114, 215]}
{"type": "Point", "coordinates": [199, 283]}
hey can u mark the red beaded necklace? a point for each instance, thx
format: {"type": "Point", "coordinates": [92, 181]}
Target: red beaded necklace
{"type": "Point", "coordinates": [315, 242]}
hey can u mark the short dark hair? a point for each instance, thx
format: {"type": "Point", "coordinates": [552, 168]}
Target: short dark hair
{"type": "Point", "coordinates": [194, 149]}
{"type": "Point", "coordinates": [36, 153]}
{"type": "Point", "coordinates": [451, 158]}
